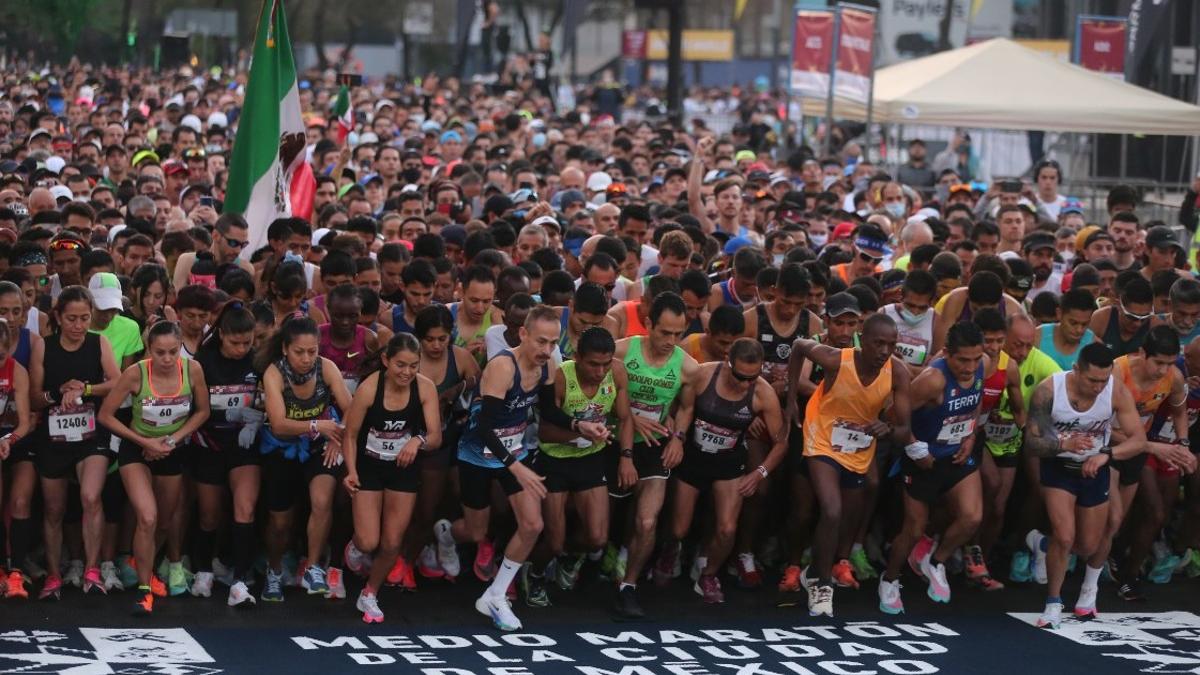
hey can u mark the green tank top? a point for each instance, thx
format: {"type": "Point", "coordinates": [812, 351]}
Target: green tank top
{"type": "Point", "coordinates": [578, 405]}
{"type": "Point", "coordinates": [461, 340]}
{"type": "Point", "coordinates": [652, 389]}
{"type": "Point", "coordinates": [157, 414]}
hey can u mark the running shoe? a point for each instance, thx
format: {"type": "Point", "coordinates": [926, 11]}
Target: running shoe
{"type": "Point", "coordinates": [1051, 616]}
{"type": "Point", "coordinates": [447, 550]}
{"type": "Point", "coordinates": [843, 574]}
{"type": "Point", "coordinates": [202, 585]}
{"type": "Point", "coordinates": [176, 579]}
{"type": "Point", "coordinates": [977, 570]}
{"type": "Point", "coordinates": [127, 569]}
{"type": "Point", "coordinates": [747, 571]}
{"type": "Point", "coordinates": [239, 595]}
{"type": "Point", "coordinates": [1033, 541]}
{"type": "Point", "coordinates": [144, 606]}
{"type": "Point", "coordinates": [790, 583]}
{"type": "Point", "coordinates": [806, 582]}
{"type": "Point", "coordinates": [622, 563]}
{"type": "Point", "coordinates": [627, 607]}
{"type": "Point", "coordinates": [93, 581]}
{"type": "Point", "coordinates": [1192, 566]}
{"type": "Point", "coordinates": [486, 563]}
{"type": "Point", "coordinates": [889, 597]}
{"type": "Point", "coordinates": [1131, 591]}
{"type": "Point", "coordinates": [15, 588]}
{"type": "Point", "coordinates": [51, 588]}
{"type": "Point", "coordinates": [222, 572]}
{"type": "Point", "coordinates": [533, 587]}
{"type": "Point", "coordinates": [74, 574]}
{"type": "Point", "coordinates": [566, 570]}
{"type": "Point", "coordinates": [708, 587]}
{"type": "Point", "coordinates": [1085, 606]}
{"type": "Point", "coordinates": [1018, 570]}
{"type": "Point", "coordinates": [273, 588]}
{"type": "Point", "coordinates": [368, 604]}
{"type": "Point", "coordinates": [920, 552]}
{"type": "Point", "coordinates": [668, 565]}
{"type": "Point", "coordinates": [314, 580]}
{"type": "Point", "coordinates": [337, 586]}
{"type": "Point", "coordinates": [820, 600]}
{"type": "Point", "coordinates": [157, 587]}
{"type": "Point", "coordinates": [396, 575]}
{"type": "Point", "coordinates": [608, 562]}
{"type": "Point", "coordinates": [356, 561]}
{"type": "Point", "coordinates": [939, 588]}
{"type": "Point", "coordinates": [863, 569]}
{"type": "Point", "coordinates": [108, 572]}
{"type": "Point", "coordinates": [499, 611]}
{"type": "Point", "coordinates": [698, 565]}
{"type": "Point", "coordinates": [1164, 568]}
{"type": "Point", "coordinates": [408, 578]}
{"type": "Point", "coordinates": [427, 563]}
{"type": "Point", "coordinates": [955, 563]}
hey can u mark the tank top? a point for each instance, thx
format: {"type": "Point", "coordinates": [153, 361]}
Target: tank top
{"type": "Point", "coordinates": [399, 323]}
{"type": "Point", "coordinates": [1148, 401]}
{"type": "Point", "coordinates": [836, 421]}
{"type": "Point", "coordinates": [1095, 422]}
{"type": "Point", "coordinates": [231, 384]}
{"type": "Point", "coordinates": [312, 406]}
{"type": "Point", "coordinates": [509, 426]}
{"type": "Point", "coordinates": [729, 293]}
{"type": "Point", "coordinates": [691, 346]}
{"type": "Point", "coordinates": [913, 340]}
{"type": "Point", "coordinates": [719, 424]}
{"type": "Point", "coordinates": [24, 348]}
{"type": "Point", "coordinates": [1046, 344]}
{"type": "Point", "coordinates": [584, 408]}
{"type": "Point", "coordinates": [1163, 428]}
{"type": "Point", "coordinates": [385, 432]}
{"type": "Point", "coordinates": [348, 360]}
{"type": "Point", "coordinates": [461, 341]}
{"type": "Point", "coordinates": [633, 323]}
{"type": "Point", "coordinates": [967, 313]}
{"type": "Point", "coordinates": [564, 339]}
{"type": "Point", "coordinates": [1112, 334]}
{"type": "Point", "coordinates": [946, 426]}
{"type": "Point", "coordinates": [993, 386]}
{"type": "Point", "coordinates": [72, 424]}
{"type": "Point", "coordinates": [652, 389]}
{"type": "Point", "coordinates": [8, 406]}
{"type": "Point", "coordinates": [155, 413]}
{"type": "Point", "coordinates": [777, 347]}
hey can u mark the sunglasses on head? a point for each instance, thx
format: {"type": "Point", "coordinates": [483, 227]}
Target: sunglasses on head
{"type": "Point", "coordinates": [65, 245]}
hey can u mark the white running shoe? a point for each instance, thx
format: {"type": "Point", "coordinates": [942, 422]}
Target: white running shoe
{"type": "Point", "coordinates": [202, 585]}
{"type": "Point", "coordinates": [820, 600]}
{"type": "Point", "coordinates": [1085, 606]}
{"type": "Point", "coordinates": [935, 573]}
{"type": "Point", "coordinates": [368, 604]}
{"type": "Point", "coordinates": [239, 594]}
{"type": "Point", "coordinates": [74, 574]}
{"type": "Point", "coordinates": [108, 573]}
{"type": "Point", "coordinates": [698, 565]}
{"type": "Point", "coordinates": [1033, 541]}
{"type": "Point", "coordinates": [1051, 617]}
{"type": "Point", "coordinates": [499, 611]}
{"type": "Point", "coordinates": [889, 597]}
{"type": "Point", "coordinates": [447, 551]}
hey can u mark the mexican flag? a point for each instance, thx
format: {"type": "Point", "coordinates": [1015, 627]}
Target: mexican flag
{"type": "Point", "coordinates": [341, 109]}
{"type": "Point", "coordinates": [269, 176]}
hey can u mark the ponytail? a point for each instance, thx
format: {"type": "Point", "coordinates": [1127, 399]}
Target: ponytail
{"type": "Point", "coordinates": [293, 327]}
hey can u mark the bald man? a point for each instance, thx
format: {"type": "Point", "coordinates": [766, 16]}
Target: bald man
{"type": "Point", "coordinates": [41, 200]}
{"type": "Point", "coordinates": [571, 178]}
{"type": "Point", "coordinates": [606, 218]}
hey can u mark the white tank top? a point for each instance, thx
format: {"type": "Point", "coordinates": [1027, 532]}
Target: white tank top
{"type": "Point", "coordinates": [1095, 422]}
{"type": "Point", "coordinates": [914, 340]}
{"type": "Point", "coordinates": [34, 322]}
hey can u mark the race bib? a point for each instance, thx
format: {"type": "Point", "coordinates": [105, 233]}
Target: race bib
{"type": "Point", "coordinates": [386, 444]}
{"type": "Point", "coordinates": [713, 438]}
{"type": "Point", "coordinates": [163, 412]}
{"type": "Point", "coordinates": [230, 396]}
{"type": "Point", "coordinates": [848, 437]}
{"type": "Point", "coordinates": [72, 425]}
{"type": "Point", "coordinates": [646, 411]}
{"type": "Point", "coordinates": [956, 428]}
{"type": "Point", "coordinates": [912, 350]}
{"type": "Point", "coordinates": [512, 438]}
{"type": "Point", "coordinates": [1000, 432]}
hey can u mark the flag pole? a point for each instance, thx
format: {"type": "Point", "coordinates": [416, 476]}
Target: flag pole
{"type": "Point", "coordinates": [837, 30]}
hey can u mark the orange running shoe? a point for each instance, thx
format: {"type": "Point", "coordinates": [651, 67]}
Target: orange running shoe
{"type": "Point", "coordinates": [157, 587]}
{"type": "Point", "coordinates": [16, 586]}
{"type": "Point", "coordinates": [145, 605]}
{"type": "Point", "coordinates": [790, 583]}
{"type": "Point", "coordinates": [843, 574]}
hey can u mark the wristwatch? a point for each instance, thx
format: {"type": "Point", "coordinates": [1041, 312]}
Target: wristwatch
{"type": "Point", "coordinates": [1107, 450]}
{"type": "Point", "coordinates": [627, 453]}
{"type": "Point", "coordinates": [1184, 442]}
{"type": "Point", "coordinates": [680, 435]}
{"type": "Point", "coordinates": [170, 441]}
{"type": "Point", "coordinates": [763, 470]}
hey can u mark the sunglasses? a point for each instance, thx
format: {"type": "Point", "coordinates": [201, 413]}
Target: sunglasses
{"type": "Point", "coordinates": [1136, 317]}
{"type": "Point", "coordinates": [65, 245]}
{"type": "Point", "coordinates": [740, 377]}
{"type": "Point", "coordinates": [866, 258]}
{"type": "Point", "coordinates": [234, 243]}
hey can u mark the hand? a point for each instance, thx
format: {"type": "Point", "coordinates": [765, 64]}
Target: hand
{"type": "Point", "coordinates": [333, 454]}
{"type": "Point", "coordinates": [351, 482]}
{"type": "Point", "coordinates": [331, 430]}
{"type": "Point", "coordinates": [1176, 455]}
{"type": "Point", "coordinates": [408, 453]}
{"type": "Point", "coordinates": [155, 448]}
{"type": "Point", "coordinates": [650, 430]}
{"type": "Point", "coordinates": [748, 484]}
{"type": "Point", "coordinates": [72, 398]}
{"type": "Point", "coordinates": [5, 448]}
{"type": "Point", "coordinates": [529, 479]}
{"type": "Point", "coordinates": [878, 429]}
{"type": "Point", "coordinates": [627, 475]}
{"type": "Point", "coordinates": [672, 455]}
{"type": "Point", "coordinates": [476, 346]}
{"type": "Point", "coordinates": [1077, 444]}
{"type": "Point", "coordinates": [593, 431]}
{"type": "Point", "coordinates": [1093, 465]}
{"type": "Point", "coordinates": [964, 450]}
{"type": "Point", "coordinates": [925, 463]}
{"type": "Point", "coordinates": [703, 147]}
{"type": "Point", "coordinates": [203, 215]}
{"type": "Point", "coordinates": [540, 209]}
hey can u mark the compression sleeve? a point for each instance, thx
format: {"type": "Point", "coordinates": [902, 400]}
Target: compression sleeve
{"type": "Point", "coordinates": [549, 411]}
{"type": "Point", "coordinates": [491, 409]}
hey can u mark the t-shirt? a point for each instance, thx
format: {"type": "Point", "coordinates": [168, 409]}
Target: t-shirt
{"type": "Point", "coordinates": [124, 336]}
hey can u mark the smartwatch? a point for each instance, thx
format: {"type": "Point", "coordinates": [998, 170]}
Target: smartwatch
{"type": "Point", "coordinates": [1107, 450]}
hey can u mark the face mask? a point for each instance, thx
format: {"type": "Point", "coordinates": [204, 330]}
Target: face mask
{"type": "Point", "coordinates": [411, 175]}
{"type": "Point", "coordinates": [778, 258]}
{"type": "Point", "coordinates": [819, 240]}
{"type": "Point", "coordinates": [895, 209]}
{"type": "Point", "coordinates": [213, 148]}
{"type": "Point", "coordinates": [910, 318]}
{"type": "Point", "coordinates": [292, 257]}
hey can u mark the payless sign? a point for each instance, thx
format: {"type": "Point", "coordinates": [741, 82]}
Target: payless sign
{"type": "Point", "coordinates": [698, 45]}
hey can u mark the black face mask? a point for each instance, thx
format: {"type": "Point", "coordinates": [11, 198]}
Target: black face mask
{"type": "Point", "coordinates": [411, 175]}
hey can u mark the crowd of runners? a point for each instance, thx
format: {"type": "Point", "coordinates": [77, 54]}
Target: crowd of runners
{"type": "Point", "coordinates": [534, 346]}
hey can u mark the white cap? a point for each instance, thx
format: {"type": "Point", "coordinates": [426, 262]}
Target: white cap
{"type": "Point", "coordinates": [218, 119]}
{"type": "Point", "coordinates": [112, 231]}
{"type": "Point", "coordinates": [319, 234]}
{"type": "Point", "coordinates": [55, 163]}
{"type": "Point", "coordinates": [599, 181]}
{"type": "Point", "coordinates": [106, 291]}
{"type": "Point", "coordinates": [191, 121]}
{"type": "Point", "coordinates": [61, 192]}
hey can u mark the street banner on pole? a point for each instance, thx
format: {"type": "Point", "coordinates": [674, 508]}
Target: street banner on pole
{"type": "Point", "coordinates": [812, 53]}
{"type": "Point", "coordinates": [855, 53]}
{"type": "Point", "coordinates": [1100, 44]}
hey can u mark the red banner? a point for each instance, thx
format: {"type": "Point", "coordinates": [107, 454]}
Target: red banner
{"type": "Point", "coordinates": [812, 51]}
{"type": "Point", "coordinates": [856, 54]}
{"type": "Point", "coordinates": [633, 44]}
{"type": "Point", "coordinates": [1101, 46]}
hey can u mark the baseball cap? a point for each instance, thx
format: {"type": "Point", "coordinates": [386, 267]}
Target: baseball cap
{"type": "Point", "coordinates": [867, 241]}
{"type": "Point", "coordinates": [173, 167]}
{"type": "Point", "coordinates": [843, 230]}
{"type": "Point", "coordinates": [1039, 240]}
{"type": "Point", "coordinates": [37, 133]}
{"type": "Point", "coordinates": [1071, 206]}
{"type": "Point", "coordinates": [106, 291]}
{"type": "Point", "coordinates": [745, 155]}
{"type": "Point", "coordinates": [61, 192]}
{"type": "Point", "coordinates": [1081, 237]}
{"type": "Point", "coordinates": [842, 303]}
{"type": "Point", "coordinates": [1162, 236]}
{"type": "Point", "coordinates": [1097, 236]}
{"type": "Point", "coordinates": [451, 135]}
{"type": "Point", "coordinates": [599, 181]}
{"type": "Point", "coordinates": [568, 197]}
{"type": "Point", "coordinates": [736, 243]}
{"type": "Point", "coordinates": [454, 234]}
{"type": "Point", "coordinates": [431, 127]}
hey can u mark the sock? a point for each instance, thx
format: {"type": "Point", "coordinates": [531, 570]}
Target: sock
{"type": "Point", "coordinates": [622, 586]}
{"type": "Point", "coordinates": [1053, 599]}
{"type": "Point", "coordinates": [623, 554]}
{"type": "Point", "coordinates": [202, 550]}
{"type": "Point", "coordinates": [367, 590]}
{"type": "Point", "coordinates": [243, 549]}
{"type": "Point", "coordinates": [1091, 576]}
{"type": "Point", "coordinates": [20, 536]}
{"type": "Point", "coordinates": [504, 577]}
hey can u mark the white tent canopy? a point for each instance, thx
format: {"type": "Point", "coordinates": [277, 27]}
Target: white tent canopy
{"type": "Point", "coordinates": [999, 84]}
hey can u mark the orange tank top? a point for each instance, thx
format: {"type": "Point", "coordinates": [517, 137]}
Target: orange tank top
{"type": "Point", "coordinates": [691, 346]}
{"type": "Point", "coordinates": [1147, 400]}
{"type": "Point", "coordinates": [633, 322]}
{"type": "Point", "coordinates": [835, 421]}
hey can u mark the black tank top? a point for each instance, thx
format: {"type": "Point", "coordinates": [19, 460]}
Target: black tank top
{"type": "Point", "coordinates": [777, 348]}
{"type": "Point", "coordinates": [1112, 335]}
{"type": "Point", "coordinates": [310, 407]}
{"type": "Point", "coordinates": [83, 364]}
{"type": "Point", "coordinates": [231, 383]}
{"type": "Point", "coordinates": [720, 424]}
{"type": "Point", "coordinates": [386, 431]}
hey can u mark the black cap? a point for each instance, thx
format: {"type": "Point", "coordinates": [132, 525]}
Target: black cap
{"type": "Point", "coordinates": [1161, 236]}
{"type": "Point", "coordinates": [1038, 240]}
{"type": "Point", "coordinates": [1098, 235]}
{"type": "Point", "coordinates": [842, 303]}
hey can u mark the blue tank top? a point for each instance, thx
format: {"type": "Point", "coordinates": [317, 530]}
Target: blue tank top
{"type": "Point", "coordinates": [946, 426]}
{"type": "Point", "coordinates": [1064, 361]}
{"type": "Point", "coordinates": [399, 323]}
{"type": "Point", "coordinates": [564, 340]}
{"type": "Point", "coordinates": [23, 350]}
{"type": "Point", "coordinates": [511, 425]}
